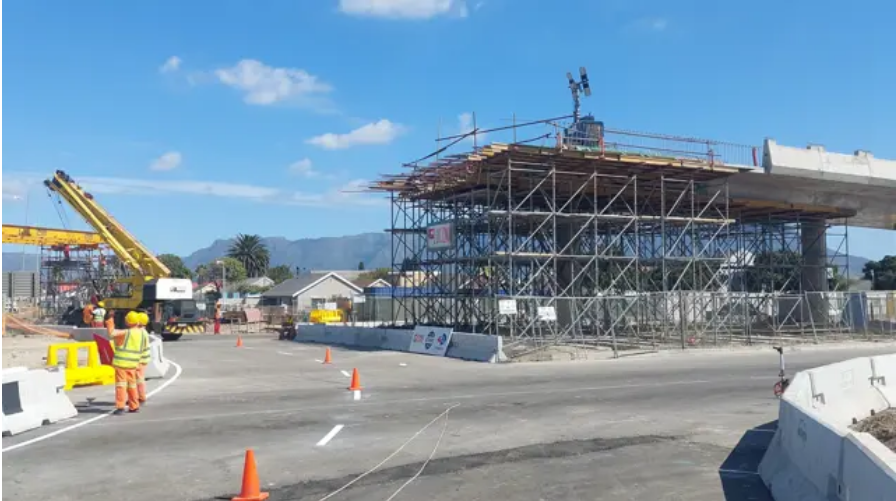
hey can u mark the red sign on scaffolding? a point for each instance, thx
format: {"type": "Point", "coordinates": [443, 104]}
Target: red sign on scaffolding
{"type": "Point", "coordinates": [440, 236]}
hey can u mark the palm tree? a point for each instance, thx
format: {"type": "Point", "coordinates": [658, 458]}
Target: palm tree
{"type": "Point", "coordinates": [252, 253]}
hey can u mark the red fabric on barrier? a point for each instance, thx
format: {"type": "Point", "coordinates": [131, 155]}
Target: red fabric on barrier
{"type": "Point", "coordinates": [105, 349]}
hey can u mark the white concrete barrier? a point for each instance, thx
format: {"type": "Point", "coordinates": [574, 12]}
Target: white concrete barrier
{"type": "Point", "coordinates": [476, 347]}
{"type": "Point", "coordinates": [844, 392]}
{"type": "Point", "coordinates": [33, 398]}
{"type": "Point", "coordinates": [884, 370]}
{"type": "Point", "coordinates": [158, 365]}
{"type": "Point", "coordinates": [869, 469]}
{"type": "Point", "coordinates": [806, 459]}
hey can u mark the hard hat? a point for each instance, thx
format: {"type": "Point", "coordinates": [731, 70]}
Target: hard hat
{"type": "Point", "coordinates": [132, 318]}
{"type": "Point", "coordinates": [101, 304]}
{"type": "Point", "coordinates": [144, 319]}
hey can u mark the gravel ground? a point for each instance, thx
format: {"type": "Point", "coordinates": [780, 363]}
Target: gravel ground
{"type": "Point", "coordinates": [26, 350]}
{"type": "Point", "coordinates": [882, 426]}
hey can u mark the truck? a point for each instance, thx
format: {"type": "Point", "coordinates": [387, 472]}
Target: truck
{"type": "Point", "coordinates": [147, 284]}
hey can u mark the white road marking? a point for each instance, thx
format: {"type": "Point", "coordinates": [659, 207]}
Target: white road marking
{"type": "Point", "coordinates": [41, 438]}
{"type": "Point", "coordinates": [318, 361]}
{"type": "Point", "coordinates": [285, 353]}
{"type": "Point", "coordinates": [346, 374]}
{"type": "Point", "coordinates": [357, 395]}
{"type": "Point", "coordinates": [390, 456]}
{"type": "Point", "coordinates": [329, 436]}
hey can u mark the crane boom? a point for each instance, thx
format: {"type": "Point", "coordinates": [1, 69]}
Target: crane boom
{"type": "Point", "coordinates": [33, 235]}
{"type": "Point", "coordinates": [142, 263]}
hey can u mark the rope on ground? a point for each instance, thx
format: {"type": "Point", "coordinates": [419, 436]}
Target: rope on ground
{"type": "Point", "coordinates": [423, 466]}
{"type": "Point", "coordinates": [390, 456]}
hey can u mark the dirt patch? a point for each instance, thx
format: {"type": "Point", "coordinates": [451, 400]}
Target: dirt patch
{"type": "Point", "coordinates": [881, 426]}
{"type": "Point", "coordinates": [26, 350]}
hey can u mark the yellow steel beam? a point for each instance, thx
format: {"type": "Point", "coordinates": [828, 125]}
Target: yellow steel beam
{"type": "Point", "coordinates": [32, 235]}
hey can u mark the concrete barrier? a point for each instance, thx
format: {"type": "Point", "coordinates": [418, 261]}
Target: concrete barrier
{"type": "Point", "coordinates": [158, 365]}
{"type": "Point", "coordinates": [806, 459]}
{"type": "Point", "coordinates": [476, 347]}
{"type": "Point", "coordinates": [33, 398]}
{"type": "Point", "coordinates": [884, 370]}
{"type": "Point", "coordinates": [869, 469]}
{"type": "Point", "coordinates": [844, 391]}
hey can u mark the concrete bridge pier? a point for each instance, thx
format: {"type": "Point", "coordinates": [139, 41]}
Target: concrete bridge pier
{"type": "Point", "coordinates": [814, 272]}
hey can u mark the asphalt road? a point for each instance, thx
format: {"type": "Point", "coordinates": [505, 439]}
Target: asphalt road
{"type": "Point", "coordinates": [655, 427]}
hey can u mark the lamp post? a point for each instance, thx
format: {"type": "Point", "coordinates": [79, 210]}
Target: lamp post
{"type": "Point", "coordinates": [223, 277]}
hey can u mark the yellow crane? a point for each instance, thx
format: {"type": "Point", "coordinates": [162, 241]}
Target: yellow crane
{"type": "Point", "coordinates": [169, 300]}
{"type": "Point", "coordinates": [48, 237]}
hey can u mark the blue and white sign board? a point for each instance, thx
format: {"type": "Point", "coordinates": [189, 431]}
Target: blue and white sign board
{"type": "Point", "coordinates": [430, 340]}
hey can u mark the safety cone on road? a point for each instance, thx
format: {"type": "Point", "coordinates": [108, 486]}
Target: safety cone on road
{"type": "Point", "coordinates": [356, 381]}
{"type": "Point", "coordinates": [251, 490]}
{"type": "Point", "coordinates": [239, 341]}
{"type": "Point", "coordinates": [328, 357]}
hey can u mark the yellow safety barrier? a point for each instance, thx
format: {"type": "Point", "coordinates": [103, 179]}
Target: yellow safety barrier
{"type": "Point", "coordinates": [326, 316]}
{"type": "Point", "coordinates": [93, 373]}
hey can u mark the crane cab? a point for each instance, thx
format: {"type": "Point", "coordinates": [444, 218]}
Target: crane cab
{"type": "Point", "coordinates": [172, 310]}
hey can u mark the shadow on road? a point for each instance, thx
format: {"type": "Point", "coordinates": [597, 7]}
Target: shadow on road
{"type": "Point", "coordinates": [740, 471]}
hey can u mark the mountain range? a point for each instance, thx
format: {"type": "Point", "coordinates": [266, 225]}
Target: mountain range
{"type": "Point", "coordinates": [331, 253]}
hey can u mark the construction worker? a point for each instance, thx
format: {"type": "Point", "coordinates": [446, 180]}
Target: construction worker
{"type": "Point", "coordinates": [109, 323]}
{"type": "Point", "coordinates": [87, 313]}
{"type": "Point", "coordinates": [218, 317]}
{"type": "Point", "coordinates": [129, 349]}
{"type": "Point", "coordinates": [144, 360]}
{"type": "Point", "coordinates": [99, 315]}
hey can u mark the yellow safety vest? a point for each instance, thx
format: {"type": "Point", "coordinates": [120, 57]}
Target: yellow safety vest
{"type": "Point", "coordinates": [145, 355]}
{"type": "Point", "coordinates": [128, 355]}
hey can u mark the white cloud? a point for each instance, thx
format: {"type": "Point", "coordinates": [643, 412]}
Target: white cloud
{"type": "Point", "coordinates": [381, 132]}
{"type": "Point", "coordinates": [403, 9]}
{"type": "Point", "coordinates": [168, 161]}
{"type": "Point", "coordinates": [465, 125]}
{"type": "Point", "coordinates": [16, 184]}
{"type": "Point", "coordinates": [265, 85]}
{"type": "Point", "coordinates": [304, 168]}
{"type": "Point", "coordinates": [171, 65]}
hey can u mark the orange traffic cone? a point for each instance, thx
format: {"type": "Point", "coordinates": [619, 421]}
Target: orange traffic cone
{"type": "Point", "coordinates": [356, 381]}
{"type": "Point", "coordinates": [328, 358]}
{"type": "Point", "coordinates": [239, 341]}
{"type": "Point", "coordinates": [251, 490]}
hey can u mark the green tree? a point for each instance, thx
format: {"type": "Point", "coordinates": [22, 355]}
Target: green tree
{"type": "Point", "coordinates": [252, 253]}
{"type": "Point", "coordinates": [881, 273]}
{"type": "Point", "coordinates": [203, 273]}
{"type": "Point", "coordinates": [280, 273]}
{"type": "Point", "coordinates": [236, 272]}
{"type": "Point", "coordinates": [375, 274]}
{"type": "Point", "coordinates": [361, 266]}
{"type": "Point", "coordinates": [176, 265]}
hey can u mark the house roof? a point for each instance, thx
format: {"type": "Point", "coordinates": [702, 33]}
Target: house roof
{"type": "Point", "coordinates": [370, 282]}
{"type": "Point", "coordinates": [295, 286]}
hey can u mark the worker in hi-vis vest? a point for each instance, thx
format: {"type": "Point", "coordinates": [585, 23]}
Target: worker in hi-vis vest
{"type": "Point", "coordinates": [144, 360]}
{"type": "Point", "coordinates": [99, 314]}
{"type": "Point", "coordinates": [128, 350]}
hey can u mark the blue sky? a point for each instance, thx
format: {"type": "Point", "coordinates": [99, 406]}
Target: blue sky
{"type": "Point", "coordinates": [192, 121]}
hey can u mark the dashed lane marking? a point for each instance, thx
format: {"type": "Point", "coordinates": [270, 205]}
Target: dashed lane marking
{"type": "Point", "coordinates": [346, 374]}
{"type": "Point", "coordinates": [329, 436]}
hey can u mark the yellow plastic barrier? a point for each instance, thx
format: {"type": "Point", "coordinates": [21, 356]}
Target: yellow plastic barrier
{"type": "Point", "coordinates": [92, 374]}
{"type": "Point", "coordinates": [326, 316]}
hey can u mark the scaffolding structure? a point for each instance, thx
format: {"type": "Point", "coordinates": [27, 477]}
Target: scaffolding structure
{"type": "Point", "coordinates": [610, 238]}
{"type": "Point", "coordinates": [71, 274]}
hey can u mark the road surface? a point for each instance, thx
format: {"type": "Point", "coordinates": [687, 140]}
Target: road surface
{"type": "Point", "coordinates": [654, 427]}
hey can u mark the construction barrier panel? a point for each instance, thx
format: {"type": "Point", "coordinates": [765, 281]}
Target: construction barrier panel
{"type": "Point", "coordinates": [805, 459]}
{"type": "Point", "coordinates": [465, 346]}
{"type": "Point", "coordinates": [91, 374]}
{"type": "Point", "coordinates": [326, 317]}
{"type": "Point", "coordinates": [33, 398]}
